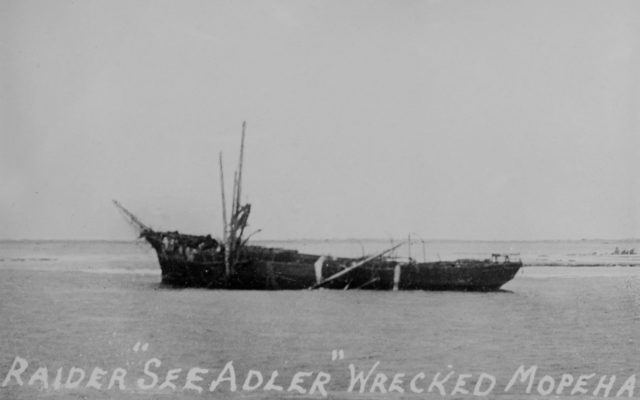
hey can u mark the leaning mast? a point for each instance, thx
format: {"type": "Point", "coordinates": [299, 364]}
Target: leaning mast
{"type": "Point", "coordinates": [239, 214]}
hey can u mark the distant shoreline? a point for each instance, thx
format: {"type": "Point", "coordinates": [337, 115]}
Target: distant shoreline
{"type": "Point", "coordinates": [414, 239]}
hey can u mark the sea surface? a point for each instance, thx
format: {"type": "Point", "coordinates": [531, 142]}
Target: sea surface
{"type": "Point", "coordinates": [573, 310]}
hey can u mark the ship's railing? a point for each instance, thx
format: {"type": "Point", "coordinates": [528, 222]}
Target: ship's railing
{"type": "Point", "coordinates": [506, 257]}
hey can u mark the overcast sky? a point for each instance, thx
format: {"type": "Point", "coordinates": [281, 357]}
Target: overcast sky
{"type": "Point", "coordinates": [445, 119]}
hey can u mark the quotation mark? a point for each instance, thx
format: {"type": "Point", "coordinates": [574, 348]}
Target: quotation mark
{"type": "Point", "coordinates": [337, 355]}
{"type": "Point", "coordinates": [140, 347]}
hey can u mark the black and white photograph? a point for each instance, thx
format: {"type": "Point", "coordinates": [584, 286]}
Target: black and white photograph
{"type": "Point", "coordinates": [298, 199]}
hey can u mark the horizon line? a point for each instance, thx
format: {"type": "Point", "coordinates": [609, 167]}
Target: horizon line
{"type": "Point", "coordinates": [337, 239]}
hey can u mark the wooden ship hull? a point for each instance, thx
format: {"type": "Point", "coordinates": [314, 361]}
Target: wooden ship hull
{"type": "Point", "coordinates": [230, 263]}
{"type": "Point", "coordinates": [260, 268]}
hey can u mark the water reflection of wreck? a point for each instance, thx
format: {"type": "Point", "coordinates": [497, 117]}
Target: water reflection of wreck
{"type": "Point", "coordinates": [231, 263]}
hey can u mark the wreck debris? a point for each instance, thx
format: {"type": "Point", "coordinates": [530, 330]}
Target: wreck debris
{"type": "Point", "coordinates": [354, 266]}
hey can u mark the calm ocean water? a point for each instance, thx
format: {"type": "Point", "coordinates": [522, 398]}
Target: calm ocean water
{"type": "Point", "coordinates": [96, 304]}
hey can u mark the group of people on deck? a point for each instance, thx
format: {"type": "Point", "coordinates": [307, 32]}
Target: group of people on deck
{"type": "Point", "coordinates": [192, 248]}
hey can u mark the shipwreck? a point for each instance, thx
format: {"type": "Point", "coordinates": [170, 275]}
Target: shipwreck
{"type": "Point", "coordinates": [232, 262]}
